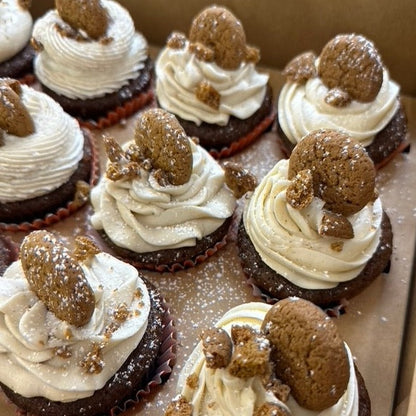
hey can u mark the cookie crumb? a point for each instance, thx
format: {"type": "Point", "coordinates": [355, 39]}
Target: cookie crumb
{"type": "Point", "coordinates": [300, 193]}
{"type": "Point", "coordinates": [217, 347]}
{"type": "Point", "coordinates": [238, 179]}
{"type": "Point", "coordinates": [336, 225]}
{"type": "Point", "coordinates": [179, 407]}
{"type": "Point", "coordinates": [301, 68]}
{"type": "Point", "coordinates": [176, 40]}
{"type": "Point", "coordinates": [206, 93]}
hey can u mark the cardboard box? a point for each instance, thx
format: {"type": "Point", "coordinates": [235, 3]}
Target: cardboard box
{"type": "Point", "coordinates": [379, 322]}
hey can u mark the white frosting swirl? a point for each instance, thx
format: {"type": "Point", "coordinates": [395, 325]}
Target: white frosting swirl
{"type": "Point", "coordinates": [31, 335]}
{"type": "Point", "coordinates": [179, 72]}
{"type": "Point", "coordinates": [87, 69]}
{"type": "Point", "coordinates": [15, 28]}
{"type": "Point", "coordinates": [288, 241]}
{"type": "Point", "coordinates": [143, 216]}
{"type": "Point", "coordinates": [221, 394]}
{"type": "Point", "coordinates": [302, 109]}
{"type": "Point", "coordinates": [41, 162]}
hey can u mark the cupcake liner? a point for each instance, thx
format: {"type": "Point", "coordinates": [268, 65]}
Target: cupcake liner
{"type": "Point", "coordinates": [164, 364]}
{"type": "Point", "coordinates": [404, 147]}
{"type": "Point", "coordinates": [334, 311]}
{"type": "Point", "coordinates": [28, 79]}
{"type": "Point", "coordinates": [187, 264]}
{"type": "Point", "coordinates": [244, 141]}
{"type": "Point", "coordinates": [120, 113]}
{"type": "Point", "coordinates": [70, 208]}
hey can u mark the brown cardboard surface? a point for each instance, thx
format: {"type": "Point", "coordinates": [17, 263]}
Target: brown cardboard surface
{"type": "Point", "coordinates": [374, 322]}
{"type": "Point", "coordinates": [282, 28]}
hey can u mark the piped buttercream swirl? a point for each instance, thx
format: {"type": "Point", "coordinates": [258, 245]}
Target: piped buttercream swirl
{"type": "Point", "coordinates": [302, 109]}
{"type": "Point", "coordinates": [179, 72]}
{"type": "Point", "coordinates": [15, 28]}
{"type": "Point", "coordinates": [87, 69]}
{"type": "Point", "coordinates": [288, 240]}
{"type": "Point", "coordinates": [221, 394]}
{"type": "Point", "coordinates": [40, 355]}
{"type": "Point", "coordinates": [37, 164]}
{"type": "Point", "coordinates": [142, 215]}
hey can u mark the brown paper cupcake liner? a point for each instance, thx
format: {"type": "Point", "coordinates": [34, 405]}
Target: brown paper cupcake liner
{"type": "Point", "coordinates": [334, 311]}
{"type": "Point", "coordinates": [120, 113]}
{"type": "Point", "coordinates": [28, 79]}
{"type": "Point", "coordinates": [246, 140]}
{"type": "Point", "coordinates": [70, 208]}
{"type": "Point", "coordinates": [187, 264]}
{"type": "Point", "coordinates": [164, 366]}
{"type": "Point", "coordinates": [404, 147]}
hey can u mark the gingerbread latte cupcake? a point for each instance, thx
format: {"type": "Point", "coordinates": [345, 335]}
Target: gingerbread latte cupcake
{"type": "Point", "coordinates": [92, 61]}
{"type": "Point", "coordinates": [210, 82]}
{"type": "Point", "coordinates": [348, 88]}
{"type": "Point", "coordinates": [315, 227]}
{"type": "Point", "coordinates": [47, 162]}
{"type": "Point", "coordinates": [163, 202]}
{"type": "Point", "coordinates": [16, 51]}
{"type": "Point", "coordinates": [284, 360]}
{"type": "Point", "coordinates": [85, 321]}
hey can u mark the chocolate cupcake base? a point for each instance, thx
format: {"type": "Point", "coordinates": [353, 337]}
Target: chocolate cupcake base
{"type": "Point", "coordinates": [124, 386]}
{"type": "Point", "coordinates": [173, 259]}
{"type": "Point", "coordinates": [275, 286]}
{"type": "Point", "coordinates": [215, 138]}
{"type": "Point", "coordinates": [19, 65]}
{"type": "Point", "coordinates": [49, 208]}
{"type": "Point", "coordinates": [91, 110]}
{"type": "Point", "coordinates": [386, 144]}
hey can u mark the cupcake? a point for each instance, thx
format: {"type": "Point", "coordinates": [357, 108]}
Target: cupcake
{"type": "Point", "coordinates": [315, 227]}
{"type": "Point", "coordinates": [163, 202]}
{"type": "Point", "coordinates": [46, 160]}
{"type": "Point", "coordinates": [282, 360]}
{"type": "Point", "coordinates": [347, 88]}
{"type": "Point", "coordinates": [211, 84]}
{"type": "Point", "coordinates": [16, 51]}
{"type": "Point", "coordinates": [92, 61]}
{"type": "Point", "coordinates": [81, 331]}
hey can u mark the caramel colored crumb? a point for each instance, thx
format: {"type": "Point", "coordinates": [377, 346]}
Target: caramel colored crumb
{"type": "Point", "coordinates": [336, 225]}
{"type": "Point", "coordinates": [206, 93]}
{"type": "Point", "coordinates": [85, 249]}
{"type": "Point", "coordinates": [179, 407]}
{"type": "Point", "coordinates": [192, 381]}
{"type": "Point", "coordinates": [176, 40]}
{"type": "Point", "coordinates": [251, 353]}
{"type": "Point", "coordinates": [299, 193]}
{"type": "Point", "coordinates": [270, 409]}
{"type": "Point", "coordinates": [202, 52]}
{"type": "Point", "coordinates": [301, 68]}
{"type": "Point", "coordinates": [217, 347]}
{"type": "Point", "coordinates": [238, 179]}
{"type": "Point", "coordinates": [93, 362]}
{"type": "Point", "coordinates": [82, 192]}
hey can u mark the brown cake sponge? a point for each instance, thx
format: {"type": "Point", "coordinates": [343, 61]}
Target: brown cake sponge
{"type": "Point", "coordinates": [351, 63]}
{"type": "Point", "coordinates": [343, 173]}
{"type": "Point", "coordinates": [308, 353]}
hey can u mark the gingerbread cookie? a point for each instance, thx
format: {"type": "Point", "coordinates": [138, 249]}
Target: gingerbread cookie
{"type": "Point", "coordinates": [57, 278]}
{"type": "Point", "coordinates": [343, 173]}
{"type": "Point", "coordinates": [161, 139]}
{"type": "Point", "coordinates": [218, 30]}
{"type": "Point", "coordinates": [352, 64]}
{"type": "Point", "coordinates": [14, 117]}
{"type": "Point", "coordinates": [308, 353]}
{"type": "Point", "coordinates": [87, 15]}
